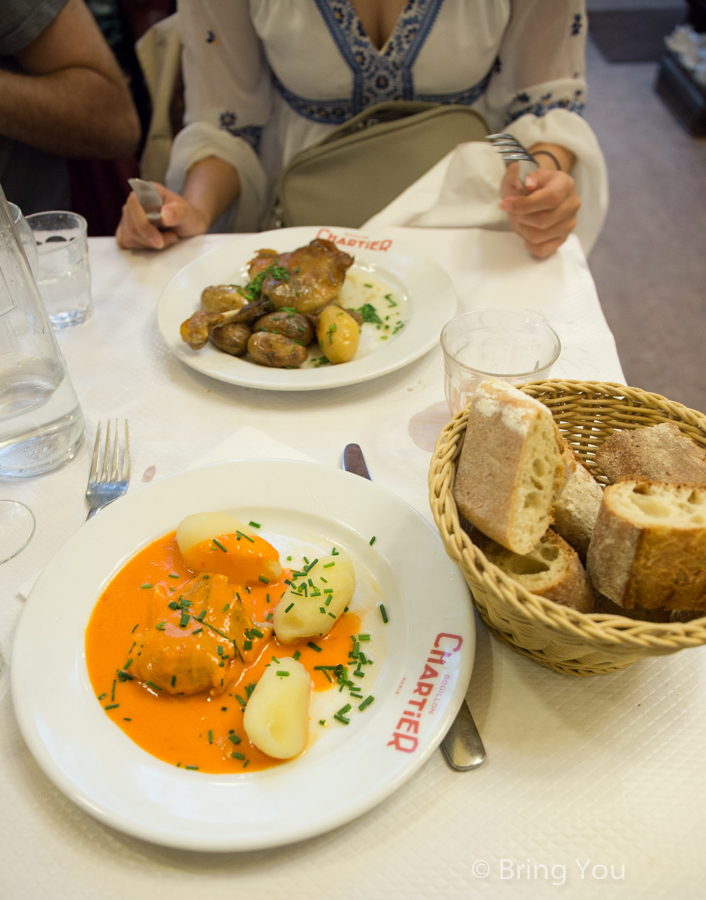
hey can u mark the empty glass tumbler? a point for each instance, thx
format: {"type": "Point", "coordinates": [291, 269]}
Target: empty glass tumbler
{"type": "Point", "coordinates": [41, 423]}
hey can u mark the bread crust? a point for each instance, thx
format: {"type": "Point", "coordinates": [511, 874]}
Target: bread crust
{"type": "Point", "coordinates": [506, 430]}
{"type": "Point", "coordinates": [576, 507]}
{"type": "Point", "coordinates": [559, 575]}
{"type": "Point", "coordinates": [657, 452]}
{"type": "Point", "coordinates": [650, 560]}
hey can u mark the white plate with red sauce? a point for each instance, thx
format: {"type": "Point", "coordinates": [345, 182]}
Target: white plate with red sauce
{"type": "Point", "coordinates": [424, 299]}
{"type": "Point", "coordinates": [430, 639]}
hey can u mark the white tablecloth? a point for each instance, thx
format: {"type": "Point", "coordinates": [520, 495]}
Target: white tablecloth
{"type": "Point", "coordinates": [606, 770]}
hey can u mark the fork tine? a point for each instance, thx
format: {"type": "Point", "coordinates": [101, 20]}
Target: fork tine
{"type": "Point", "coordinates": [93, 474]}
{"type": "Point", "coordinates": [125, 470]}
{"type": "Point", "coordinates": [106, 454]}
{"type": "Point", "coordinates": [115, 455]}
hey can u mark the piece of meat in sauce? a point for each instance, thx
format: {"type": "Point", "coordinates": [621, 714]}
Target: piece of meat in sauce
{"type": "Point", "coordinates": [185, 658]}
{"type": "Point", "coordinates": [315, 275]}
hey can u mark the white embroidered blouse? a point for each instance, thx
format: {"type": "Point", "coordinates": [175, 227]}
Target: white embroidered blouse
{"type": "Point", "coordinates": [267, 78]}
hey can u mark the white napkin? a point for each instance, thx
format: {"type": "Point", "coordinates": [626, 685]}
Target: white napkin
{"type": "Point", "coordinates": [245, 443]}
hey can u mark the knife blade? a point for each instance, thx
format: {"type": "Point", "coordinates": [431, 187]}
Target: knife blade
{"type": "Point", "coordinates": [149, 199]}
{"type": "Point", "coordinates": [462, 746]}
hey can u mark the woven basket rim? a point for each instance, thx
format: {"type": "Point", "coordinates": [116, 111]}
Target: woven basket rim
{"type": "Point", "coordinates": [605, 628]}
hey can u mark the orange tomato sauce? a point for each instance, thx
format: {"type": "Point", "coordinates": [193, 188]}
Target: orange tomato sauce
{"type": "Point", "coordinates": [198, 730]}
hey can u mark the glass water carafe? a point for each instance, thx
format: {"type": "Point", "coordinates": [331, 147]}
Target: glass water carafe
{"type": "Point", "coordinates": [41, 424]}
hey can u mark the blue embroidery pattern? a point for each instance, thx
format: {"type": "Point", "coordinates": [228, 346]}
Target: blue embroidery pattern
{"type": "Point", "coordinates": [576, 25]}
{"type": "Point", "coordinates": [211, 38]}
{"type": "Point", "coordinates": [250, 133]}
{"type": "Point", "coordinates": [545, 103]}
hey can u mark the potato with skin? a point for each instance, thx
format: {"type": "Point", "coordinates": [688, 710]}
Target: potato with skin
{"type": "Point", "coordinates": [338, 334]}
{"type": "Point", "coordinates": [276, 351]}
{"type": "Point", "coordinates": [298, 615]}
{"type": "Point", "coordinates": [231, 338]}
{"type": "Point", "coordinates": [221, 298]}
{"type": "Point", "coordinates": [289, 323]}
{"type": "Point", "coordinates": [276, 717]}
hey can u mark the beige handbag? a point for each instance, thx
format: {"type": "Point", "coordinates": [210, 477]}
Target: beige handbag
{"type": "Point", "coordinates": [362, 165]}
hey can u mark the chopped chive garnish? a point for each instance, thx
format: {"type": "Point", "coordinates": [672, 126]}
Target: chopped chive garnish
{"type": "Point", "coordinates": [323, 669]}
{"type": "Point", "coordinates": [174, 605]}
{"type": "Point", "coordinates": [325, 581]}
{"type": "Point", "coordinates": [296, 654]}
{"type": "Point", "coordinates": [174, 575]}
{"type": "Point", "coordinates": [184, 621]}
{"type": "Point", "coordinates": [247, 537]}
{"type": "Point", "coordinates": [254, 524]}
{"type": "Point", "coordinates": [101, 696]}
{"type": "Point", "coordinates": [146, 586]}
{"type": "Point", "coordinates": [334, 552]}
{"type": "Point", "coordinates": [264, 580]}
{"type": "Point", "coordinates": [305, 559]}
{"type": "Point", "coordinates": [314, 646]}
{"type": "Point", "coordinates": [151, 684]}
{"type": "Point", "coordinates": [247, 645]}
{"type": "Point", "coordinates": [193, 768]}
{"type": "Point", "coordinates": [322, 721]}
{"type": "Point", "coordinates": [372, 540]}
{"type": "Point", "coordinates": [328, 565]}
{"type": "Point", "coordinates": [160, 626]}
{"type": "Point", "coordinates": [202, 615]}
{"type": "Point", "coordinates": [342, 719]}
{"type": "Point", "coordinates": [112, 706]}
{"type": "Point", "coordinates": [210, 736]}
{"type": "Point", "coordinates": [234, 737]}
{"type": "Point", "coordinates": [332, 615]}
{"type": "Point", "coordinates": [274, 659]}
{"type": "Point", "coordinates": [135, 628]}
{"type": "Point", "coordinates": [173, 680]}
{"type": "Point", "coordinates": [250, 688]}
{"type": "Point", "coordinates": [126, 719]}
{"type": "Point", "coordinates": [268, 617]}
{"type": "Point", "coordinates": [363, 637]}
{"type": "Point", "coordinates": [240, 700]}
{"type": "Point", "coordinates": [282, 673]}
{"type": "Point", "coordinates": [247, 589]}
{"type": "Point", "coordinates": [383, 613]}
{"type": "Point", "coordinates": [344, 709]}
{"type": "Point", "coordinates": [246, 763]}
{"type": "Point", "coordinates": [219, 544]}
{"type": "Point", "coordinates": [112, 693]}
{"type": "Point", "coordinates": [236, 755]}
{"type": "Point", "coordinates": [268, 598]}
{"type": "Point", "coordinates": [289, 607]}
{"type": "Point", "coordinates": [256, 632]}
{"type": "Point", "coordinates": [197, 630]}
{"type": "Point", "coordinates": [322, 610]}
{"type": "Point", "coordinates": [220, 651]}
{"type": "Point", "coordinates": [226, 607]}
{"type": "Point", "coordinates": [289, 559]}
{"type": "Point", "coordinates": [124, 676]}
{"type": "Point", "coordinates": [224, 709]}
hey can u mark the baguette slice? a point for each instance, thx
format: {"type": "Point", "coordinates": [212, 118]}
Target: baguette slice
{"type": "Point", "coordinates": [657, 453]}
{"type": "Point", "coordinates": [576, 507]}
{"type": "Point", "coordinates": [649, 545]}
{"type": "Point", "coordinates": [510, 466]}
{"type": "Point", "coordinates": [552, 570]}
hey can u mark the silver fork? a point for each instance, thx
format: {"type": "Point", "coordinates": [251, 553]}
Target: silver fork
{"type": "Point", "coordinates": [512, 151]}
{"type": "Point", "coordinates": [110, 469]}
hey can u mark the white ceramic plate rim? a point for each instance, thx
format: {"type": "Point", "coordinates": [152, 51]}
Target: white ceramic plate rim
{"type": "Point", "coordinates": [98, 767]}
{"type": "Point", "coordinates": [431, 296]}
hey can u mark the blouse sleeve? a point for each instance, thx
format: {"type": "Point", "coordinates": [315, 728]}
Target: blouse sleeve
{"type": "Point", "coordinates": [228, 101]}
{"type": "Point", "coordinates": [538, 93]}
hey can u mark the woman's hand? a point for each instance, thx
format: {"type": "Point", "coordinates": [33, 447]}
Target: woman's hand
{"type": "Point", "coordinates": [180, 218]}
{"type": "Point", "coordinates": [546, 216]}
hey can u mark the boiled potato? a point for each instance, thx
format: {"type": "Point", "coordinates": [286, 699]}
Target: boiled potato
{"type": "Point", "coordinates": [299, 616]}
{"type": "Point", "coordinates": [276, 718]}
{"type": "Point", "coordinates": [338, 334]}
{"type": "Point", "coordinates": [205, 526]}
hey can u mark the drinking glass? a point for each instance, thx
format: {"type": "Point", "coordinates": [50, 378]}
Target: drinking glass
{"type": "Point", "coordinates": [64, 277]}
{"type": "Point", "coordinates": [17, 524]}
{"type": "Point", "coordinates": [511, 346]}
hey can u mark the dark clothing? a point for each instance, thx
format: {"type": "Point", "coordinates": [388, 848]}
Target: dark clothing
{"type": "Point", "coordinates": [31, 178]}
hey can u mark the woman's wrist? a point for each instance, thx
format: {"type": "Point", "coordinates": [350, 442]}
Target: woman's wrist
{"type": "Point", "coordinates": [211, 186]}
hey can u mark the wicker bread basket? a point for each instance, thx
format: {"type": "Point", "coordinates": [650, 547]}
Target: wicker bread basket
{"type": "Point", "coordinates": [587, 413]}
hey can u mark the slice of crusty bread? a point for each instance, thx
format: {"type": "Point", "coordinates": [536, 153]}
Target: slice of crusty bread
{"type": "Point", "coordinates": [552, 570]}
{"type": "Point", "coordinates": [510, 467]}
{"type": "Point", "coordinates": [576, 507]}
{"type": "Point", "coordinates": [658, 453]}
{"type": "Point", "coordinates": [649, 545]}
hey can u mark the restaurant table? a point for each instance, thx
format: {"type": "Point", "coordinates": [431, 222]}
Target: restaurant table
{"type": "Point", "coordinates": [592, 786]}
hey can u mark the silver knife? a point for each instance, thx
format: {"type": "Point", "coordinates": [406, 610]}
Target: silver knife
{"type": "Point", "coordinates": [462, 746]}
{"type": "Point", "coordinates": [149, 199]}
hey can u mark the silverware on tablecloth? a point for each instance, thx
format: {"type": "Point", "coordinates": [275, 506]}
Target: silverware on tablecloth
{"type": "Point", "coordinates": [110, 468]}
{"type": "Point", "coordinates": [462, 747]}
{"type": "Point", "coordinates": [512, 151]}
{"type": "Point", "coordinates": [149, 199]}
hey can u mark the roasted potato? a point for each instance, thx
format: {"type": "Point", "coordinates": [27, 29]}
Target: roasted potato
{"type": "Point", "coordinates": [338, 334]}
{"type": "Point", "coordinates": [231, 338]}
{"type": "Point", "coordinates": [221, 298]}
{"type": "Point", "coordinates": [276, 351]}
{"type": "Point", "coordinates": [289, 323]}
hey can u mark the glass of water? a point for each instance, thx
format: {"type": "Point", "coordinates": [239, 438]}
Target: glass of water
{"type": "Point", "coordinates": [511, 346]}
{"type": "Point", "coordinates": [26, 237]}
{"type": "Point", "coordinates": [64, 278]}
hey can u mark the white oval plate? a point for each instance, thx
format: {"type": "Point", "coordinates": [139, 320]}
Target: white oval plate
{"type": "Point", "coordinates": [349, 769]}
{"type": "Point", "coordinates": [428, 302]}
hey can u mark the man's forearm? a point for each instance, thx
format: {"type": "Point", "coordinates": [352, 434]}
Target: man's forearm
{"type": "Point", "coordinates": [72, 112]}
